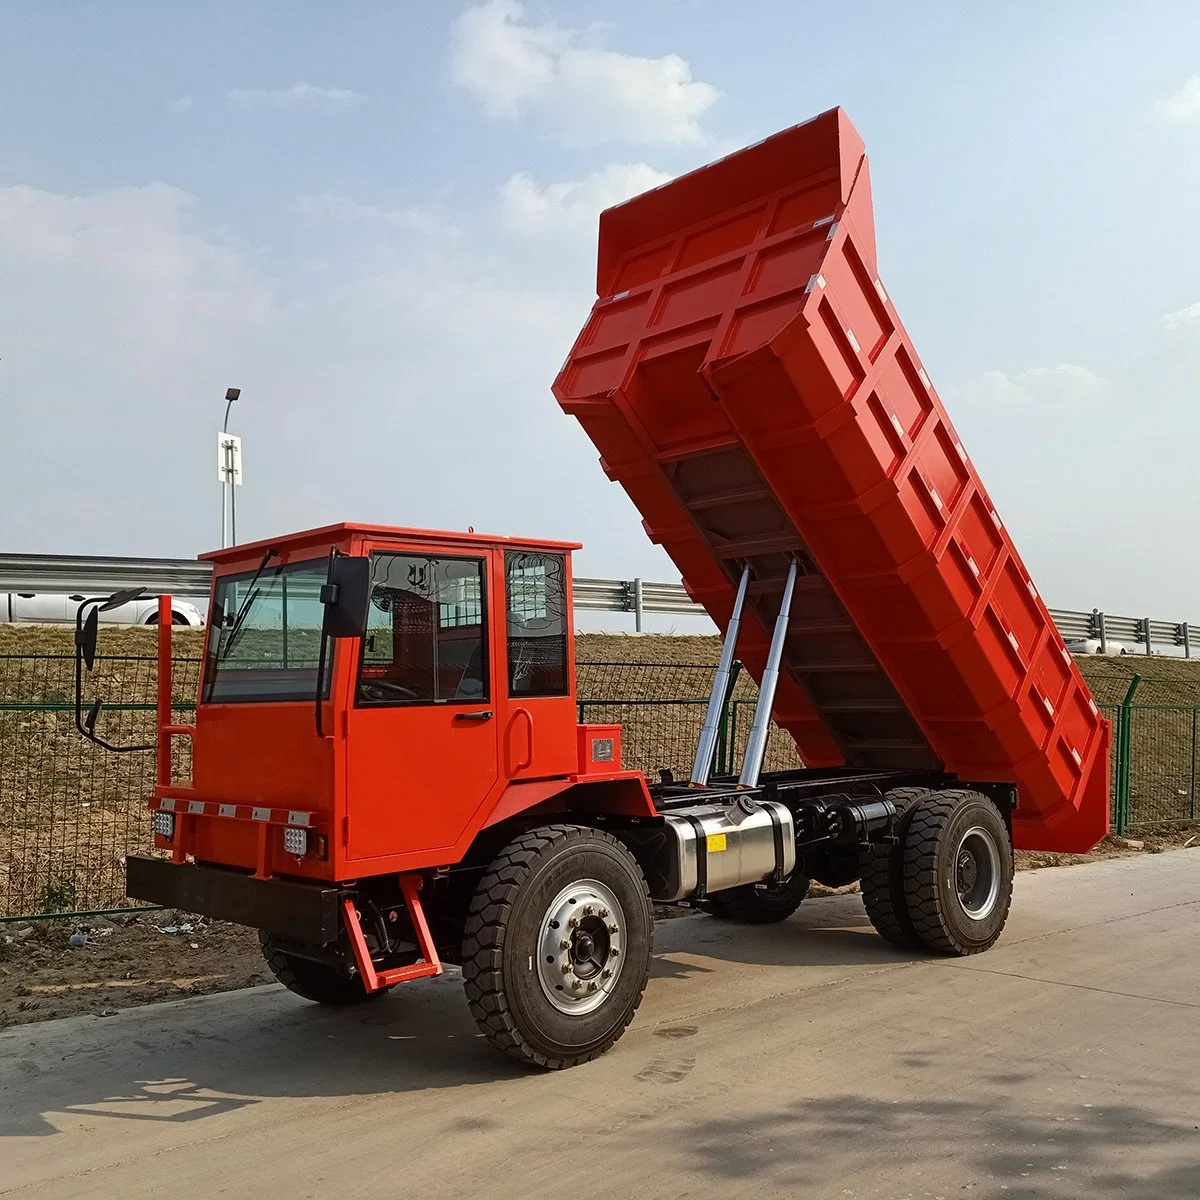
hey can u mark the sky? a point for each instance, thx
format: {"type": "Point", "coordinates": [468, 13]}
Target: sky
{"type": "Point", "coordinates": [378, 220]}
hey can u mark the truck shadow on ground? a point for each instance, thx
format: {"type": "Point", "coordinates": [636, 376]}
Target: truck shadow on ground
{"type": "Point", "coordinates": [998, 1145]}
{"type": "Point", "coordinates": [833, 932]}
{"type": "Point", "coordinates": [189, 1060]}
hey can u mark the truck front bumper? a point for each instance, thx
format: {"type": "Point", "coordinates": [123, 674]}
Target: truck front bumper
{"type": "Point", "coordinates": [307, 912]}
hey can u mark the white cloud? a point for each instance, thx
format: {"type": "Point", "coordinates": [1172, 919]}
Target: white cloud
{"type": "Point", "coordinates": [1182, 318]}
{"type": "Point", "coordinates": [1183, 105]}
{"type": "Point", "coordinates": [331, 207]}
{"type": "Point", "coordinates": [529, 208]}
{"type": "Point", "coordinates": [1064, 384]}
{"type": "Point", "coordinates": [297, 94]}
{"type": "Point", "coordinates": [121, 275]}
{"type": "Point", "coordinates": [574, 91]}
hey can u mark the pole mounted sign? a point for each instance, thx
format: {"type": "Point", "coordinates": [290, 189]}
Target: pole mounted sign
{"type": "Point", "coordinates": [229, 458]}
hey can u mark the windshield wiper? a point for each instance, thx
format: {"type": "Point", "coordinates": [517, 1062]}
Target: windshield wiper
{"type": "Point", "coordinates": [226, 644]}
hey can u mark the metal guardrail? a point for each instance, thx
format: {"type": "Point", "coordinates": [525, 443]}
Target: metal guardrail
{"type": "Point", "coordinates": [100, 574]}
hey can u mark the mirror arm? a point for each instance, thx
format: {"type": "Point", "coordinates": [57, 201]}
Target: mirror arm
{"type": "Point", "coordinates": [87, 725]}
{"type": "Point", "coordinates": [328, 596]}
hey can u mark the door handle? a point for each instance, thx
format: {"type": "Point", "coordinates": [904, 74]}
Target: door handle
{"type": "Point", "coordinates": [474, 716]}
{"type": "Point", "coordinates": [528, 760]}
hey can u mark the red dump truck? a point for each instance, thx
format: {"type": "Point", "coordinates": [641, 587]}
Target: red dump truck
{"type": "Point", "coordinates": [388, 773]}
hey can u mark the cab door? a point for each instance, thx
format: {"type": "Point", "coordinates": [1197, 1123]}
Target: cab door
{"type": "Point", "coordinates": [539, 735]}
{"type": "Point", "coordinates": [422, 753]}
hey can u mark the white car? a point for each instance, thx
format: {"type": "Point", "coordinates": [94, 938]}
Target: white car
{"type": "Point", "coordinates": [1092, 646]}
{"type": "Point", "coordinates": [52, 607]}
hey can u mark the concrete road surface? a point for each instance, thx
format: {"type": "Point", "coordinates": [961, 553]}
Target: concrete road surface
{"type": "Point", "coordinates": [805, 1059]}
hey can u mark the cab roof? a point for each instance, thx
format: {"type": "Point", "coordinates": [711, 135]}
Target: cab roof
{"type": "Point", "coordinates": [398, 533]}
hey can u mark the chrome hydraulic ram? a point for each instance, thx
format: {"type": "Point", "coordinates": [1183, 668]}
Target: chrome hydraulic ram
{"type": "Point", "coordinates": [716, 701]}
{"type": "Point", "coordinates": [756, 745]}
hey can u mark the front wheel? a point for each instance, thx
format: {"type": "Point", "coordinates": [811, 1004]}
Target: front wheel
{"type": "Point", "coordinates": [556, 947]}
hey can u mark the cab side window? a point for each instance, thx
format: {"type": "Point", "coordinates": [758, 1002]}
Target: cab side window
{"type": "Point", "coordinates": [426, 640]}
{"type": "Point", "coordinates": [535, 589]}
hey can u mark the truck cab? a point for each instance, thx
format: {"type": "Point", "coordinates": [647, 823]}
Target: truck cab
{"type": "Point", "coordinates": [388, 751]}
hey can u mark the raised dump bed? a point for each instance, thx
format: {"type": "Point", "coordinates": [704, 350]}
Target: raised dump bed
{"type": "Point", "coordinates": [748, 382]}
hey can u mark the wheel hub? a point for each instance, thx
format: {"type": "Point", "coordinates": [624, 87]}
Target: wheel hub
{"type": "Point", "coordinates": [968, 873]}
{"type": "Point", "coordinates": [977, 873]}
{"type": "Point", "coordinates": [580, 947]}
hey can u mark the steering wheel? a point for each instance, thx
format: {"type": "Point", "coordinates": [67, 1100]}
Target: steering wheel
{"type": "Point", "coordinates": [382, 689]}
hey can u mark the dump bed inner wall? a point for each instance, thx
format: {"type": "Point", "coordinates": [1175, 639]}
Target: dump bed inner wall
{"type": "Point", "coordinates": [749, 384]}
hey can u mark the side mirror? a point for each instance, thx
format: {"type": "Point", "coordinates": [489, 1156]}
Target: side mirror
{"type": "Point", "coordinates": [88, 636]}
{"type": "Point", "coordinates": [346, 595]}
{"type": "Point", "coordinates": [117, 599]}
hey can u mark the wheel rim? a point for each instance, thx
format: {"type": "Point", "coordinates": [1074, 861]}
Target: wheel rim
{"type": "Point", "coordinates": [977, 873]}
{"type": "Point", "coordinates": [581, 947]}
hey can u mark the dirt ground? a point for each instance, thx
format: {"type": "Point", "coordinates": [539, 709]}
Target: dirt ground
{"type": "Point", "coordinates": [48, 970]}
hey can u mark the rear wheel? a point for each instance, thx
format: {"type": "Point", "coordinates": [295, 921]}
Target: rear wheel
{"type": "Point", "coordinates": [760, 903]}
{"type": "Point", "coordinates": [556, 947]}
{"type": "Point", "coordinates": [882, 880]}
{"type": "Point", "coordinates": [958, 872]}
{"type": "Point", "coordinates": [320, 982]}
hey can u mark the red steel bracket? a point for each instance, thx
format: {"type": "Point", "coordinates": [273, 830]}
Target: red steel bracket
{"type": "Point", "coordinates": [374, 979]}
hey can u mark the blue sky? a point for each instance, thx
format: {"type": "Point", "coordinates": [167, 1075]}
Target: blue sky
{"type": "Point", "coordinates": [378, 220]}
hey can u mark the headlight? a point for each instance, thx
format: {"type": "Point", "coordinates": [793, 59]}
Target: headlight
{"type": "Point", "coordinates": [295, 841]}
{"type": "Point", "coordinates": [163, 824]}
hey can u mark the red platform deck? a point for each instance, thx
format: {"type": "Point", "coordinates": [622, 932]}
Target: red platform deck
{"type": "Point", "coordinates": [748, 382]}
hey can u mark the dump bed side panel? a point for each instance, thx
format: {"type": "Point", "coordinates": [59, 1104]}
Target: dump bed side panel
{"type": "Point", "coordinates": [748, 382]}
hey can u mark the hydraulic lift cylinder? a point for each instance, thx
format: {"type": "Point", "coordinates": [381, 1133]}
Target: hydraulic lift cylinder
{"type": "Point", "coordinates": [756, 745]}
{"type": "Point", "coordinates": [716, 702]}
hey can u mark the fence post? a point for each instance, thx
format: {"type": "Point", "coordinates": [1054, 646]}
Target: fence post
{"type": "Point", "coordinates": [1101, 630]}
{"type": "Point", "coordinates": [1192, 784]}
{"type": "Point", "coordinates": [1187, 640]}
{"type": "Point", "coordinates": [1146, 627]}
{"type": "Point", "coordinates": [1124, 745]}
{"type": "Point", "coordinates": [638, 605]}
{"type": "Point", "coordinates": [735, 670]}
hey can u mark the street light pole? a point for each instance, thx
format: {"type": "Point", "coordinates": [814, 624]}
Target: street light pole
{"type": "Point", "coordinates": [228, 491]}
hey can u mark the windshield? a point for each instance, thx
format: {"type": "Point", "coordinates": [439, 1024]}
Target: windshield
{"type": "Point", "coordinates": [265, 635]}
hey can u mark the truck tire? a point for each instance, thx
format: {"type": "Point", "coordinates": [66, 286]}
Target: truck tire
{"type": "Point", "coordinates": [882, 879]}
{"type": "Point", "coordinates": [759, 903]}
{"type": "Point", "coordinates": [958, 872]}
{"type": "Point", "coordinates": [318, 982]}
{"type": "Point", "coordinates": [556, 945]}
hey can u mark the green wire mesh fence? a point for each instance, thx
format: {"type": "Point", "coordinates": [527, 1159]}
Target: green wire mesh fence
{"type": "Point", "coordinates": [70, 812]}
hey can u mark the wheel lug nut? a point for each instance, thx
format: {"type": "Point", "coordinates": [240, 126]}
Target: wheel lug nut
{"type": "Point", "coordinates": [566, 968]}
{"type": "Point", "coordinates": [614, 929]}
{"type": "Point", "coordinates": [613, 953]}
{"type": "Point", "coordinates": [588, 909]}
{"type": "Point", "coordinates": [591, 987]}
{"type": "Point", "coordinates": [605, 974]}
{"type": "Point", "coordinates": [603, 912]}
{"type": "Point", "coordinates": [575, 985]}
{"type": "Point", "coordinates": [573, 922]}
{"type": "Point", "coordinates": [564, 944]}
